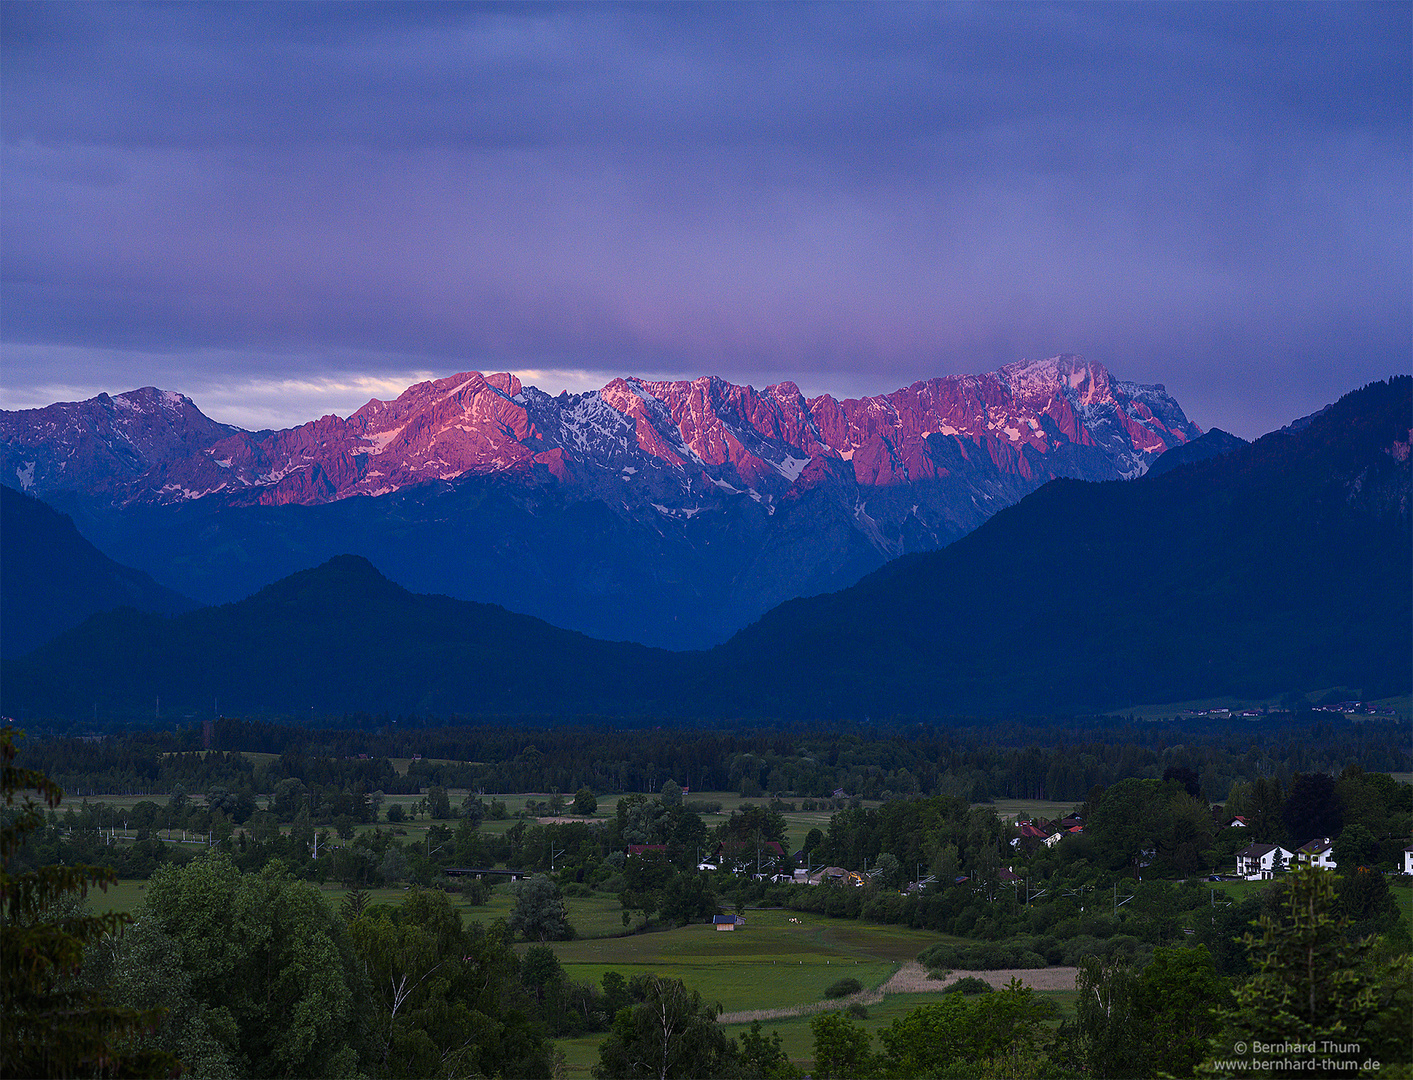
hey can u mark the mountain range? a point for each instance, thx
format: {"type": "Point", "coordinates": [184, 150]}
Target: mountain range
{"type": "Point", "coordinates": [1278, 566]}
{"type": "Point", "coordinates": [668, 513]}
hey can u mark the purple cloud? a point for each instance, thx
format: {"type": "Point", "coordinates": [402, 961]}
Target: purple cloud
{"type": "Point", "coordinates": [850, 196]}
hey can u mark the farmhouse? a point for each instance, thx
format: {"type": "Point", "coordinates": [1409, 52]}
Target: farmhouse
{"type": "Point", "coordinates": [1318, 852]}
{"type": "Point", "coordinates": [1258, 861]}
{"type": "Point", "coordinates": [1031, 836]}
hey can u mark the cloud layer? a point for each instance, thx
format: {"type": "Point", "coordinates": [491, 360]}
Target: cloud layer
{"type": "Point", "coordinates": [323, 198]}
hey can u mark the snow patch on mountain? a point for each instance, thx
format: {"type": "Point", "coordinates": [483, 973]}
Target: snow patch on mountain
{"type": "Point", "coordinates": [791, 467]}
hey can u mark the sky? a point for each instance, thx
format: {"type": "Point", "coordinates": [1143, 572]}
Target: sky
{"type": "Point", "coordinates": [283, 210]}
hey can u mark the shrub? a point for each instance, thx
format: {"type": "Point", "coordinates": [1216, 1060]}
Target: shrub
{"type": "Point", "coordinates": [856, 1011]}
{"type": "Point", "coordinates": [843, 988]}
{"type": "Point", "coordinates": [970, 985]}
{"type": "Point", "coordinates": [987, 956]}
{"type": "Point", "coordinates": [1080, 946]}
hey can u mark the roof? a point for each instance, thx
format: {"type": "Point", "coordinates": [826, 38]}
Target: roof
{"type": "Point", "coordinates": [1256, 851]}
{"type": "Point", "coordinates": [638, 849]}
{"type": "Point", "coordinates": [727, 920]}
{"type": "Point", "coordinates": [1317, 845]}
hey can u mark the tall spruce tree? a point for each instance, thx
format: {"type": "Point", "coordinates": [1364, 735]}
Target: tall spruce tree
{"type": "Point", "coordinates": [52, 1024]}
{"type": "Point", "coordinates": [1313, 987]}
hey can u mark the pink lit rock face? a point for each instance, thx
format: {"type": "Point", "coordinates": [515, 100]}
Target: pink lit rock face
{"type": "Point", "coordinates": [150, 446]}
{"type": "Point", "coordinates": [672, 513]}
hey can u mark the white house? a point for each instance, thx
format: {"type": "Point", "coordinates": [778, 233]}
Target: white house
{"type": "Point", "coordinates": [1408, 861]}
{"type": "Point", "coordinates": [1258, 861]}
{"type": "Point", "coordinates": [1318, 852]}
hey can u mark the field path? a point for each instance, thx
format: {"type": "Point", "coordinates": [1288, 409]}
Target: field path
{"type": "Point", "coordinates": [911, 978]}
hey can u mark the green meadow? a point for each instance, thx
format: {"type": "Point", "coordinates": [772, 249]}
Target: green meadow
{"type": "Point", "coordinates": [777, 959]}
{"type": "Point", "coordinates": [1011, 809]}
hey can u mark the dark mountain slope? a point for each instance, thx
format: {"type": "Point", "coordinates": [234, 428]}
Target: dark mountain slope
{"type": "Point", "coordinates": [1214, 443]}
{"type": "Point", "coordinates": [1281, 566]}
{"type": "Point", "coordinates": [336, 638]}
{"type": "Point", "coordinates": [51, 578]}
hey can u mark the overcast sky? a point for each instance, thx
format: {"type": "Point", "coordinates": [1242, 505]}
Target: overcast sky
{"type": "Point", "coordinates": [284, 210]}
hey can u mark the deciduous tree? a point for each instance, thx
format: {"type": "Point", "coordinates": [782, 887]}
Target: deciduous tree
{"type": "Point", "coordinates": [539, 913]}
{"type": "Point", "coordinates": [585, 805]}
{"type": "Point", "coordinates": [670, 1032]}
{"type": "Point", "coordinates": [271, 961]}
{"type": "Point", "coordinates": [842, 1048]}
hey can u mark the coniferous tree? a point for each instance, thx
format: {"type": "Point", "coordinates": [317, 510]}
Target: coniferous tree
{"type": "Point", "coordinates": [53, 1024]}
{"type": "Point", "coordinates": [1312, 986]}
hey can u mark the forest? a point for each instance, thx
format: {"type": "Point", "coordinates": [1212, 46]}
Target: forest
{"type": "Point", "coordinates": [1055, 758]}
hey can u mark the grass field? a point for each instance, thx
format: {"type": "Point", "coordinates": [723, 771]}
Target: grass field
{"type": "Point", "coordinates": [1011, 809]}
{"type": "Point", "coordinates": [124, 895]}
{"type": "Point", "coordinates": [778, 959]}
{"type": "Point", "coordinates": [1403, 892]}
{"type": "Point", "coordinates": [1236, 891]}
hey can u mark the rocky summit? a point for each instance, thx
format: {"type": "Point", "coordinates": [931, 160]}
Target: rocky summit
{"type": "Point", "coordinates": [155, 446]}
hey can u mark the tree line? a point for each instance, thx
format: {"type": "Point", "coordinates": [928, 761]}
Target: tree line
{"type": "Point", "coordinates": [1034, 759]}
